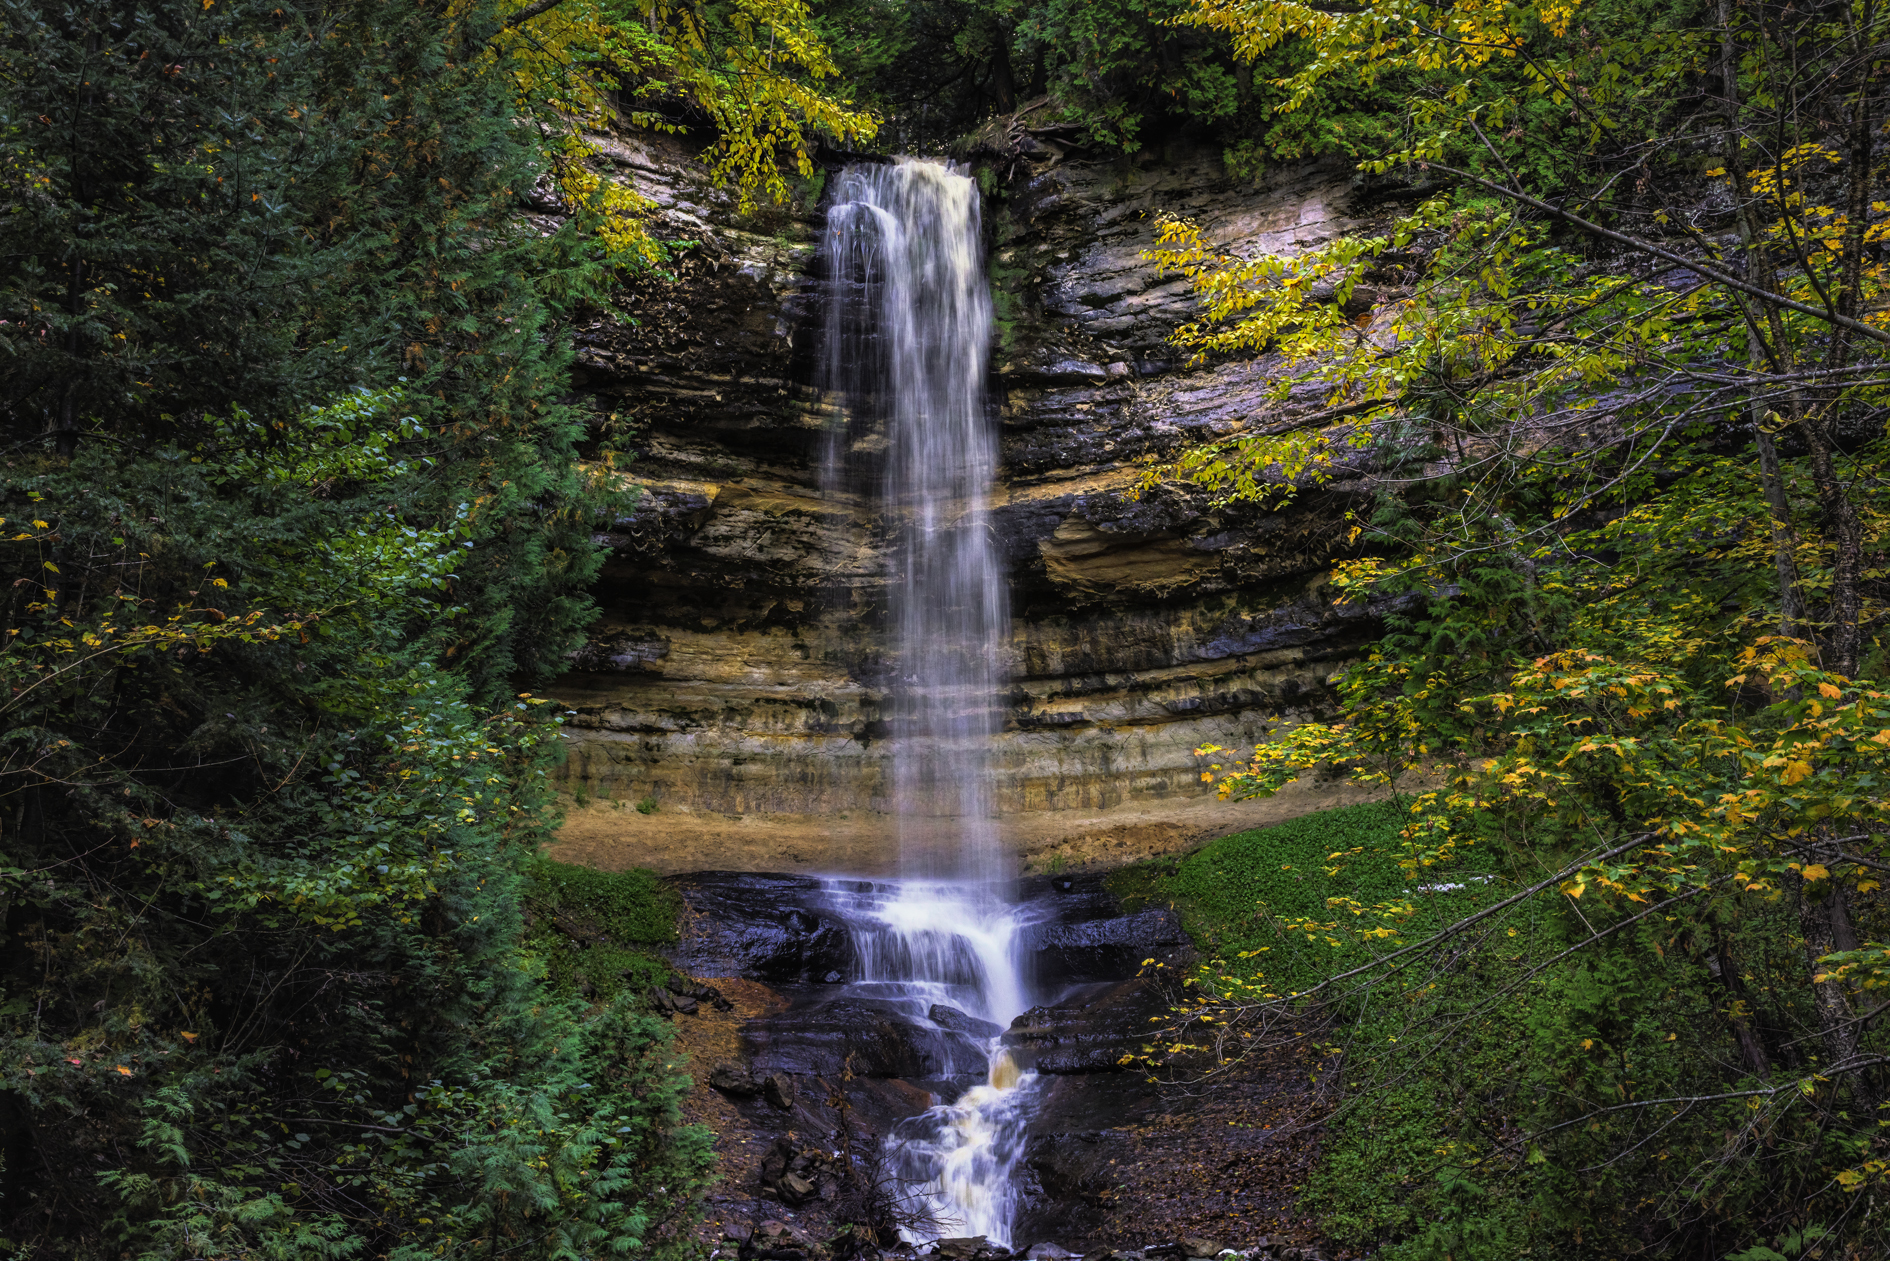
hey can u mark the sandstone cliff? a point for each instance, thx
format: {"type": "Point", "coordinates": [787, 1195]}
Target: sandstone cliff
{"type": "Point", "coordinates": [737, 671]}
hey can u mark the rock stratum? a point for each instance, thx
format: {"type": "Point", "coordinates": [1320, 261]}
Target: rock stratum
{"type": "Point", "coordinates": [737, 677]}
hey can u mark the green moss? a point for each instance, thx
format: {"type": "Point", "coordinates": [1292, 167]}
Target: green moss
{"type": "Point", "coordinates": [595, 929]}
{"type": "Point", "coordinates": [631, 907]}
{"type": "Point", "coordinates": [1238, 895]}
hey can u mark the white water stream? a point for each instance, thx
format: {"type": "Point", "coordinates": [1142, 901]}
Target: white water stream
{"type": "Point", "coordinates": [908, 335]}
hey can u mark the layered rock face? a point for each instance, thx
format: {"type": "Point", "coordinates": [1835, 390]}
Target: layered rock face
{"type": "Point", "coordinates": [740, 667]}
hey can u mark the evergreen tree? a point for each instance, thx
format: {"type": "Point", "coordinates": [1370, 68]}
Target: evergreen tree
{"type": "Point", "coordinates": [290, 498]}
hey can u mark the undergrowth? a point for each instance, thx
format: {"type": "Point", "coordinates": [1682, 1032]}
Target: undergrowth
{"type": "Point", "coordinates": [1453, 1072]}
{"type": "Point", "coordinates": [596, 930]}
{"type": "Point", "coordinates": [1287, 904]}
{"type": "Point", "coordinates": [1279, 909]}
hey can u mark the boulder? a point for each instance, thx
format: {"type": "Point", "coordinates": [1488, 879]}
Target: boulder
{"type": "Point", "coordinates": [1195, 1246]}
{"type": "Point", "coordinates": [961, 1249]}
{"type": "Point", "coordinates": [758, 926]}
{"type": "Point", "coordinates": [881, 1040]}
{"type": "Point", "coordinates": [696, 992]}
{"type": "Point", "coordinates": [778, 1089]}
{"type": "Point", "coordinates": [950, 1018]}
{"type": "Point", "coordinates": [1089, 1032]}
{"type": "Point", "coordinates": [1086, 935]}
{"type": "Point", "coordinates": [1049, 1252]}
{"type": "Point", "coordinates": [672, 1004]}
{"type": "Point", "coordinates": [732, 1078]}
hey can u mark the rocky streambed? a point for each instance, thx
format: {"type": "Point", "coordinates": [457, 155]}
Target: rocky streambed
{"type": "Point", "coordinates": [805, 1066]}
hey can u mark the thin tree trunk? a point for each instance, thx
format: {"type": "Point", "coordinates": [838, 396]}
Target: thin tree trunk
{"type": "Point", "coordinates": [1818, 917]}
{"type": "Point", "coordinates": [1761, 357]}
{"type": "Point", "coordinates": [1738, 1006]}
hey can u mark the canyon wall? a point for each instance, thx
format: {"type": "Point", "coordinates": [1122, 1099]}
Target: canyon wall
{"type": "Point", "coordinates": [735, 684]}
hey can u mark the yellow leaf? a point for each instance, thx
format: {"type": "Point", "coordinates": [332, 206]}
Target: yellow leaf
{"type": "Point", "coordinates": [1574, 890]}
{"type": "Point", "coordinates": [1796, 771]}
{"type": "Point", "coordinates": [124, 1070]}
{"type": "Point", "coordinates": [1815, 872]}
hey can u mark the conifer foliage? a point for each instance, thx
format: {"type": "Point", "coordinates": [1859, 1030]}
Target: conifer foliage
{"type": "Point", "coordinates": [291, 504]}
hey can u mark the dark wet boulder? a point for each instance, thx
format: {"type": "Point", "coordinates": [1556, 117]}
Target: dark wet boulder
{"type": "Point", "coordinates": [1085, 935]}
{"type": "Point", "coordinates": [733, 1079]}
{"type": "Point", "coordinates": [950, 1018]}
{"type": "Point", "coordinates": [818, 1038]}
{"type": "Point", "coordinates": [778, 1089]}
{"type": "Point", "coordinates": [758, 926]}
{"type": "Point", "coordinates": [1091, 1031]}
{"type": "Point", "coordinates": [1103, 949]}
{"type": "Point", "coordinates": [794, 1177]}
{"type": "Point", "coordinates": [669, 1004]}
{"type": "Point", "coordinates": [684, 988]}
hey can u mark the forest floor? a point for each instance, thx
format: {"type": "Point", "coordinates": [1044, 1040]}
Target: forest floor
{"type": "Point", "coordinates": [1223, 1164]}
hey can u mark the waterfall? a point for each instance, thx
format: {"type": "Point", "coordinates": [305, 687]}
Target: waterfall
{"type": "Point", "coordinates": [908, 333]}
{"type": "Point", "coordinates": [908, 337]}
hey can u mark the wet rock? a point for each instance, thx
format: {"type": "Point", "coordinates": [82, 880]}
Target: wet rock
{"type": "Point", "coordinates": [731, 1078]}
{"type": "Point", "coordinates": [962, 1249]}
{"type": "Point", "coordinates": [797, 1178]}
{"type": "Point", "coordinates": [956, 1021]}
{"type": "Point", "coordinates": [774, 1165]}
{"type": "Point", "coordinates": [1087, 936]}
{"type": "Point", "coordinates": [758, 926]}
{"type": "Point", "coordinates": [776, 1241]}
{"type": "Point", "coordinates": [778, 1089]}
{"type": "Point", "coordinates": [877, 1038]}
{"type": "Point", "coordinates": [1194, 1246]}
{"type": "Point", "coordinates": [684, 988]}
{"type": "Point", "coordinates": [672, 1004]}
{"type": "Point", "coordinates": [1104, 948]}
{"type": "Point", "coordinates": [1048, 1252]}
{"type": "Point", "coordinates": [1090, 1032]}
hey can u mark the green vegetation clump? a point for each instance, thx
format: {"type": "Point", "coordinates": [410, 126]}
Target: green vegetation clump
{"type": "Point", "coordinates": [1300, 893]}
{"type": "Point", "coordinates": [291, 499]}
{"type": "Point", "coordinates": [594, 929]}
{"type": "Point", "coordinates": [1460, 1066]}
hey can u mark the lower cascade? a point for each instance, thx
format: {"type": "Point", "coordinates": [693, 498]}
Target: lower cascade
{"type": "Point", "coordinates": [948, 956]}
{"type": "Point", "coordinates": [908, 335]}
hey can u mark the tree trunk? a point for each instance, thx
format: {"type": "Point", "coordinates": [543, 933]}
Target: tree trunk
{"type": "Point", "coordinates": [1819, 914]}
{"type": "Point", "coordinates": [1759, 355]}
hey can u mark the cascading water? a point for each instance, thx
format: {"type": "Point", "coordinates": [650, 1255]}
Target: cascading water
{"type": "Point", "coordinates": [908, 334]}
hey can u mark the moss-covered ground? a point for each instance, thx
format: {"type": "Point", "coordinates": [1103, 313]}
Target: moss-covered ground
{"type": "Point", "coordinates": [597, 931]}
